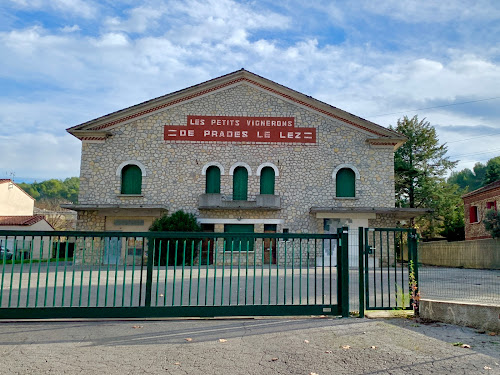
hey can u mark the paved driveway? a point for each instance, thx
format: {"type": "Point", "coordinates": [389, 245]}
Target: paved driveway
{"type": "Point", "coordinates": [260, 346]}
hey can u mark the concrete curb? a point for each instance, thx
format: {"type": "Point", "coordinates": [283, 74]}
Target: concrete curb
{"type": "Point", "coordinates": [481, 316]}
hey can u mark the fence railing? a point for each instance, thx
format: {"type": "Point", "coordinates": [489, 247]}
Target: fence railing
{"type": "Point", "coordinates": [463, 271]}
{"type": "Point", "coordinates": [175, 270]}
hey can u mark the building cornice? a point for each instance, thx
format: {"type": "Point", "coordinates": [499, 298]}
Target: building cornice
{"type": "Point", "coordinates": [160, 103]}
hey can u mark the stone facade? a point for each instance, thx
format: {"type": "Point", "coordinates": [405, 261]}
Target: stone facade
{"type": "Point", "coordinates": [476, 203]}
{"type": "Point", "coordinates": [173, 171]}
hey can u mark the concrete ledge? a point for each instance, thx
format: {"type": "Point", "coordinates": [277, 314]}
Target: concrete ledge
{"type": "Point", "coordinates": [481, 316]}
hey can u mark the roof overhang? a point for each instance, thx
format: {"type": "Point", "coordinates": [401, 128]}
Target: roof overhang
{"type": "Point", "coordinates": [98, 125]}
{"type": "Point", "coordinates": [120, 209]}
{"type": "Point", "coordinates": [397, 212]}
{"type": "Point", "coordinates": [91, 135]}
{"type": "Point", "coordinates": [394, 143]}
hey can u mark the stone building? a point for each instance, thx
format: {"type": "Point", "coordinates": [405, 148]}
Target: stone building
{"type": "Point", "coordinates": [476, 203]}
{"type": "Point", "coordinates": [242, 153]}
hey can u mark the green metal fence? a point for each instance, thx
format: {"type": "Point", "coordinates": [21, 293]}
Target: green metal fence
{"type": "Point", "coordinates": [388, 268]}
{"type": "Point", "coordinates": [164, 274]}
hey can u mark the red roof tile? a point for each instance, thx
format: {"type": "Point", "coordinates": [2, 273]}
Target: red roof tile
{"type": "Point", "coordinates": [20, 220]}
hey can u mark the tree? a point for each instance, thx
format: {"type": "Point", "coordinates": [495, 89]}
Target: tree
{"type": "Point", "coordinates": [469, 180]}
{"type": "Point", "coordinates": [59, 190]}
{"type": "Point", "coordinates": [447, 216]}
{"type": "Point", "coordinates": [450, 208]}
{"type": "Point", "coordinates": [419, 164]}
{"type": "Point", "coordinates": [492, 171]}
{"type": "Point", "coordinates": [30, 189]}
{"type": "Point", "coordinates": [492, 223]}
{"type": "Point", "coordinates": [180, 250]}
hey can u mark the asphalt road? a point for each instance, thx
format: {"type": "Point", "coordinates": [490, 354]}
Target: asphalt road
{"type": "Point", "coordinates": [246, 346]}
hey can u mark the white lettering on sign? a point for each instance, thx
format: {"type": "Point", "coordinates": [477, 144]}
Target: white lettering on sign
{"type": "Point", "coordinates": [240, 129]}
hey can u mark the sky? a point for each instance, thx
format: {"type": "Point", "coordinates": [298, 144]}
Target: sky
{"type": "Point", "coordinates": [64, 62]}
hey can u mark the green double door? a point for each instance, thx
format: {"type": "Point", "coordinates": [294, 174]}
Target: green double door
{"type": "Point", "coordinates": [238, 243]}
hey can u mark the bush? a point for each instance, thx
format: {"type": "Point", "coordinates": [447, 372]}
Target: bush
{"type": "Point", "coordinates": [492, 223]}
{"type": "Point", "coordinates": [187, 248]}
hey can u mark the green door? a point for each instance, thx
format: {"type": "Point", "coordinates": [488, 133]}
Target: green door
{"type": "Point", "coordinates": [267, 181]}
{"type": "Point", "coordinates": [240, 184]}
{"type": "Point", "coordinates": [245, 243]}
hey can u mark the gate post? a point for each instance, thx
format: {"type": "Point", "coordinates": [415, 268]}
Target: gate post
{"type": "Point", "coordinates": [413, 256]}
{"type": "Point", "coordinates": [361, 271]}
{"type": "Point", "coordinates": [343, 271]}
{"type": "Point", "coordinates": [149, 273]}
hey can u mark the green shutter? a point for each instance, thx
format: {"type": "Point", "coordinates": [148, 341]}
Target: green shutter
{"type": "Point", "coordinates": [240, 184]}
{"type": "Point", "coordinates": [213, 180]}
{"type": "Point", "coordinates": [131, 179]}
{"type": "Point", "coordinates": [345, 181]}
{"type": "Point", "coordinates": [267, 181]}
{"type": "Point", "coordinates": [245, 243]}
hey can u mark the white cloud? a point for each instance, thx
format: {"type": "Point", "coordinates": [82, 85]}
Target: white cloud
{"type": "Point", "coordinates": [81, 8]}
{"type": "Point", "coordinates": [70, 29]}
{"type": "Point", "coordinates": [416, 11]}
{"type": "Point", "coordinates": [140, 19]}
{"type": "Point", "coordinates": [111, 40]}
{"type": "Point", "coordinates": [40, 155]}
{"type": "Point", "coordinates": [79, 77]}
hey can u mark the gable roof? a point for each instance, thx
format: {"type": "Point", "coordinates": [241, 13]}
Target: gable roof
{"type": "Point", "coordinates": [21, 220]}
{"type": "Point", "coordinates": [491, 186]}
{"type": "Point", "coordinates": [5, 180]}
{"type": "Point", "coordinates": [97, 128]}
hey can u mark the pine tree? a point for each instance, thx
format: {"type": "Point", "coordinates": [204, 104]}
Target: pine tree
{"type": "Point", "coordinates": [420, 164]}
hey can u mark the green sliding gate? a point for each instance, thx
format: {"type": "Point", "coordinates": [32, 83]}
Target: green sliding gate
{"type": "Point", "coordinates": [161, 274]}
{"type": "Point", "coordinates": [388, 268]}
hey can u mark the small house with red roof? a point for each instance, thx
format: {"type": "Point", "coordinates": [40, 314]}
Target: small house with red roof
{"type": "Point", "coordinates": [16, 213]}
{"type": "Point", "coordinates": [476, 204]}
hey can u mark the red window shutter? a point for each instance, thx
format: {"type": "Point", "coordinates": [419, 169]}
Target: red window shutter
{"type": "Point", "coordinates": [491, 205]}
{"type": "Point", "coordinates": [473, 214]}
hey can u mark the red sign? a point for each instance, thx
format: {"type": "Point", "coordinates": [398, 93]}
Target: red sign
{"type": "Point", "coordinates": [240, 129]}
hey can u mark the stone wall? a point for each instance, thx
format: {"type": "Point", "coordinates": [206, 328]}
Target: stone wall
{"type": "Point", "coordinates": [174, 170]}
{"type": "Point", "coordinates": [477, 230]}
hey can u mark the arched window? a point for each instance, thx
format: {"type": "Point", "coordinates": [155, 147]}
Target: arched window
{"type": "Point", "coordinates": [346, 183]}
{"type": "Point", "coordinates": [212, 180]}
{"type": "Point", "coordinates": [131, 179]}
{"type": "Point", "coordinates": [240, 184]}
{"type": "Point", "coordinates": [267, 180]}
